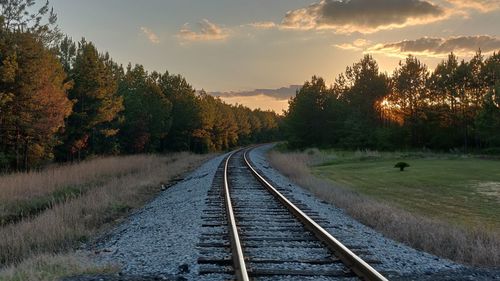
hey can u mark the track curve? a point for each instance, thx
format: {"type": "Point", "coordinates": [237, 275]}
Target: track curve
{"type": "Point", "coordinates": [271, 238]}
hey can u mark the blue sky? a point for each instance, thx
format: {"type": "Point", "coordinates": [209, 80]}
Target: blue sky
{"type": "Point", "coordinates": [235, 45]}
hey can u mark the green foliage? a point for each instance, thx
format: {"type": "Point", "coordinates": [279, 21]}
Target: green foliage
{"type": "Point", "coordinates": [343, 115]}
{"type": "Point", "coordinates": [401, 166]}
{"type": "Point", "coordinates": [186, 115]}
{"type": "Point", "coordinates": [97, 103]}
{"type": "Point", "coordinates": [305, 115]}
{"type": "Point", "coordinates": [147, 115]}
{"type": "Point", "coordinates": [488, 121]}
{"type": "Point", "coordinates": [454, 107]}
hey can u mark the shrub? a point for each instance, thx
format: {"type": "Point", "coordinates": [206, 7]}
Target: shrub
{"type": "Point", "coordinates": [402, 166]}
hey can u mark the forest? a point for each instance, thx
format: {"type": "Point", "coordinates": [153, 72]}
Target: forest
{"type": "Point", "coordinates": [62, 100]}
{"type": "Point", "coordinates": [454, 108]}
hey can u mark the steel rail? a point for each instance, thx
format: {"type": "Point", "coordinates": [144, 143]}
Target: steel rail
{"type": "Point", "coordinates": [351, 260]}
{"type": "Point", "coordinates": [240, 268]}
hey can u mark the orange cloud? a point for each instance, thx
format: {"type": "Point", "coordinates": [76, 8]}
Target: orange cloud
{"type": "Point", "coordinates": [207, 32]}
{"type": "Point", "coordinates": [263, 24]}
{"type": "Point", "coordinates": [483, 6]}
{"type": "Point", "coordinates": [357, 45]}
{"type": "Point", "coordinates": [152, 37]}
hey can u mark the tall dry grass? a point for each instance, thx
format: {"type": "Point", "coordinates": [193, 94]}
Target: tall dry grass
{"type": "Point", "coordinates": [130, 181]}
{"type": "Point", "coordinates": [50, 267]}
{"type": "Point", "coordinates": [23, 186]}
{"type": "Point", "coordinates": [474, 246]}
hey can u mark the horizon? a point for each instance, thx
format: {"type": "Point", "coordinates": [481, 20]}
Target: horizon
{"type": "Point", "coordinates": [235, 46]}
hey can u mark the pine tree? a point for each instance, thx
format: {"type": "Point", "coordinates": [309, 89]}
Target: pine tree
{"type": "Point", "coordinates": [186, 116]}
{"type": "Point", "coordinates": [97, 103]}
{"type": "Point", "coordinates": [147, 114]}
{"type": "Point", "coordinates": [409, 93]}
{"type": "Point", "coordinates": [305, 115]}
{"type": "Point", "coordinates": [33, 100]}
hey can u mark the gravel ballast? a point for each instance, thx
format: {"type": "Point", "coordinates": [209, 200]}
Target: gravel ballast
{"type": "Point", "coordinates": [397, 260]}
{"type": "Point", "coordinates": [160, 239]}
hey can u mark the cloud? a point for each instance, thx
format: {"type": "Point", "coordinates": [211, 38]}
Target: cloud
{"type": "Point", "coordinates": [152, 37]}
{"type": "Point", "coordinates": [283, 93]}
{"type": "Point", "coordinates": [263, 24]}
{"type": "Point", "coordinates": [438, 47]}
{"type": "Point", "coordinates": [483, 6]}
{"type": "Point", "coordinates": [357, 45]}
{"type": "Point", "coordinates": [208, 31]}
{"type": "Point", "coordinates": [364, 16]}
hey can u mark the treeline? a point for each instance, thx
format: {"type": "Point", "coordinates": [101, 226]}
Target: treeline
{"type": "Point", "coordinates": [66, 101]}
{"type": "Point", "coordinates": [454, 107]}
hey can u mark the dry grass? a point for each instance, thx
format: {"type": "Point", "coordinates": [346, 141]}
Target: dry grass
{"type": "Point", "coordinates": [23, 186]}
{"type": "Point", "coordinates": [53, 267]}
{"type": "Point", "coordinates": [27, 194]}
{"type": "Point", "coordinates": [474, 246]}
{"type": "Point", "coordinates": [123, 183]}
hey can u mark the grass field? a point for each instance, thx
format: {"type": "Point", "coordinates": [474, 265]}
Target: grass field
{"type": "Point", "coordinates": [461, 190]}
{"type": "Point", "coordinates": [447, 205]}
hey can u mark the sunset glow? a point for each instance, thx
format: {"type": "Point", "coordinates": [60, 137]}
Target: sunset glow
{"type": "Point", "coordinates": [224, 46]}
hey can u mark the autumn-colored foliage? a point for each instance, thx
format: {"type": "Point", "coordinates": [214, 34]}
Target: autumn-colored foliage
{"type": "Point", "coordinates": [33, 99]}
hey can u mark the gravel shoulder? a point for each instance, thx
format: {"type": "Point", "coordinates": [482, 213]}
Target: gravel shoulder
{"type": "Point", "coordinates": [160, 239]}
{"type": "Point", "coordinates": [396, 260]}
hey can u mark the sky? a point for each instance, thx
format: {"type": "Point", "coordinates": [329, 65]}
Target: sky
{"type": "Point", "coordinates": [256, 52]}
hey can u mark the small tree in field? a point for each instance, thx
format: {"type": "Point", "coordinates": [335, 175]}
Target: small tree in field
{"type": "Point", "coordinates": [402, 166]}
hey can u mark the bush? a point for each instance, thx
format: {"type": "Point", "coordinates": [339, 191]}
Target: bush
{"type": "Point", "coordinates": [491, 151]}
{"type": "Point", "coordinates": [402, 166]}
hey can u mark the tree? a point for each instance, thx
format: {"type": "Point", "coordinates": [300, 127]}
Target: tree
{"type": "Point", "coordinates": [364, 88]}
{"type": "Point", "coordinates": [202, 136]}
{"type": "Point", "coordinates": [22, 16]}
{"type": "Point", "coordinates": [409, 94]}
{"type": "Point", "coordinates": [242, 115]}
{"type": "Point", "coordinates": [67, 53]}
{"type": "Point", "coordinates": [442, 105]}
{"type": "Point", "coordinates": [33, 100]}
{"type": "Point", "coordinates": [401, 166]}
{"type": "Point", "coordinates": [488, 119]}
{"type": "Point", "coordinates": [185, 111]}
{"type": "Point", "coordinates": [96, 103]}
{"type": "Point", "coordinates": [147, 114]}
{"type": "Point", "coordinates": [305, 115]}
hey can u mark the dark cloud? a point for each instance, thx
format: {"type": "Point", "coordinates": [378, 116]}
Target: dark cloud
{"type": "Point", "coordinates": [438, 47]}
{"type": "Point", "coordinates": [364, 16]}
{"type": "Point", "coordinates": [279, 94]}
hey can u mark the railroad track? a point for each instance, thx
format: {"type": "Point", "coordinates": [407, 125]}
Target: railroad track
{"type": "Point", "coordinates": [253, 232]}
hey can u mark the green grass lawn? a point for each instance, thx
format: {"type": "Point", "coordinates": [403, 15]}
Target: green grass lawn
{"type": "Point", "coordinates": [460, 190]}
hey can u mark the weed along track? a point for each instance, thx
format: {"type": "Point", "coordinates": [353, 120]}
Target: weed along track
{"type": "Point", "coordinates": [253, 231]}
